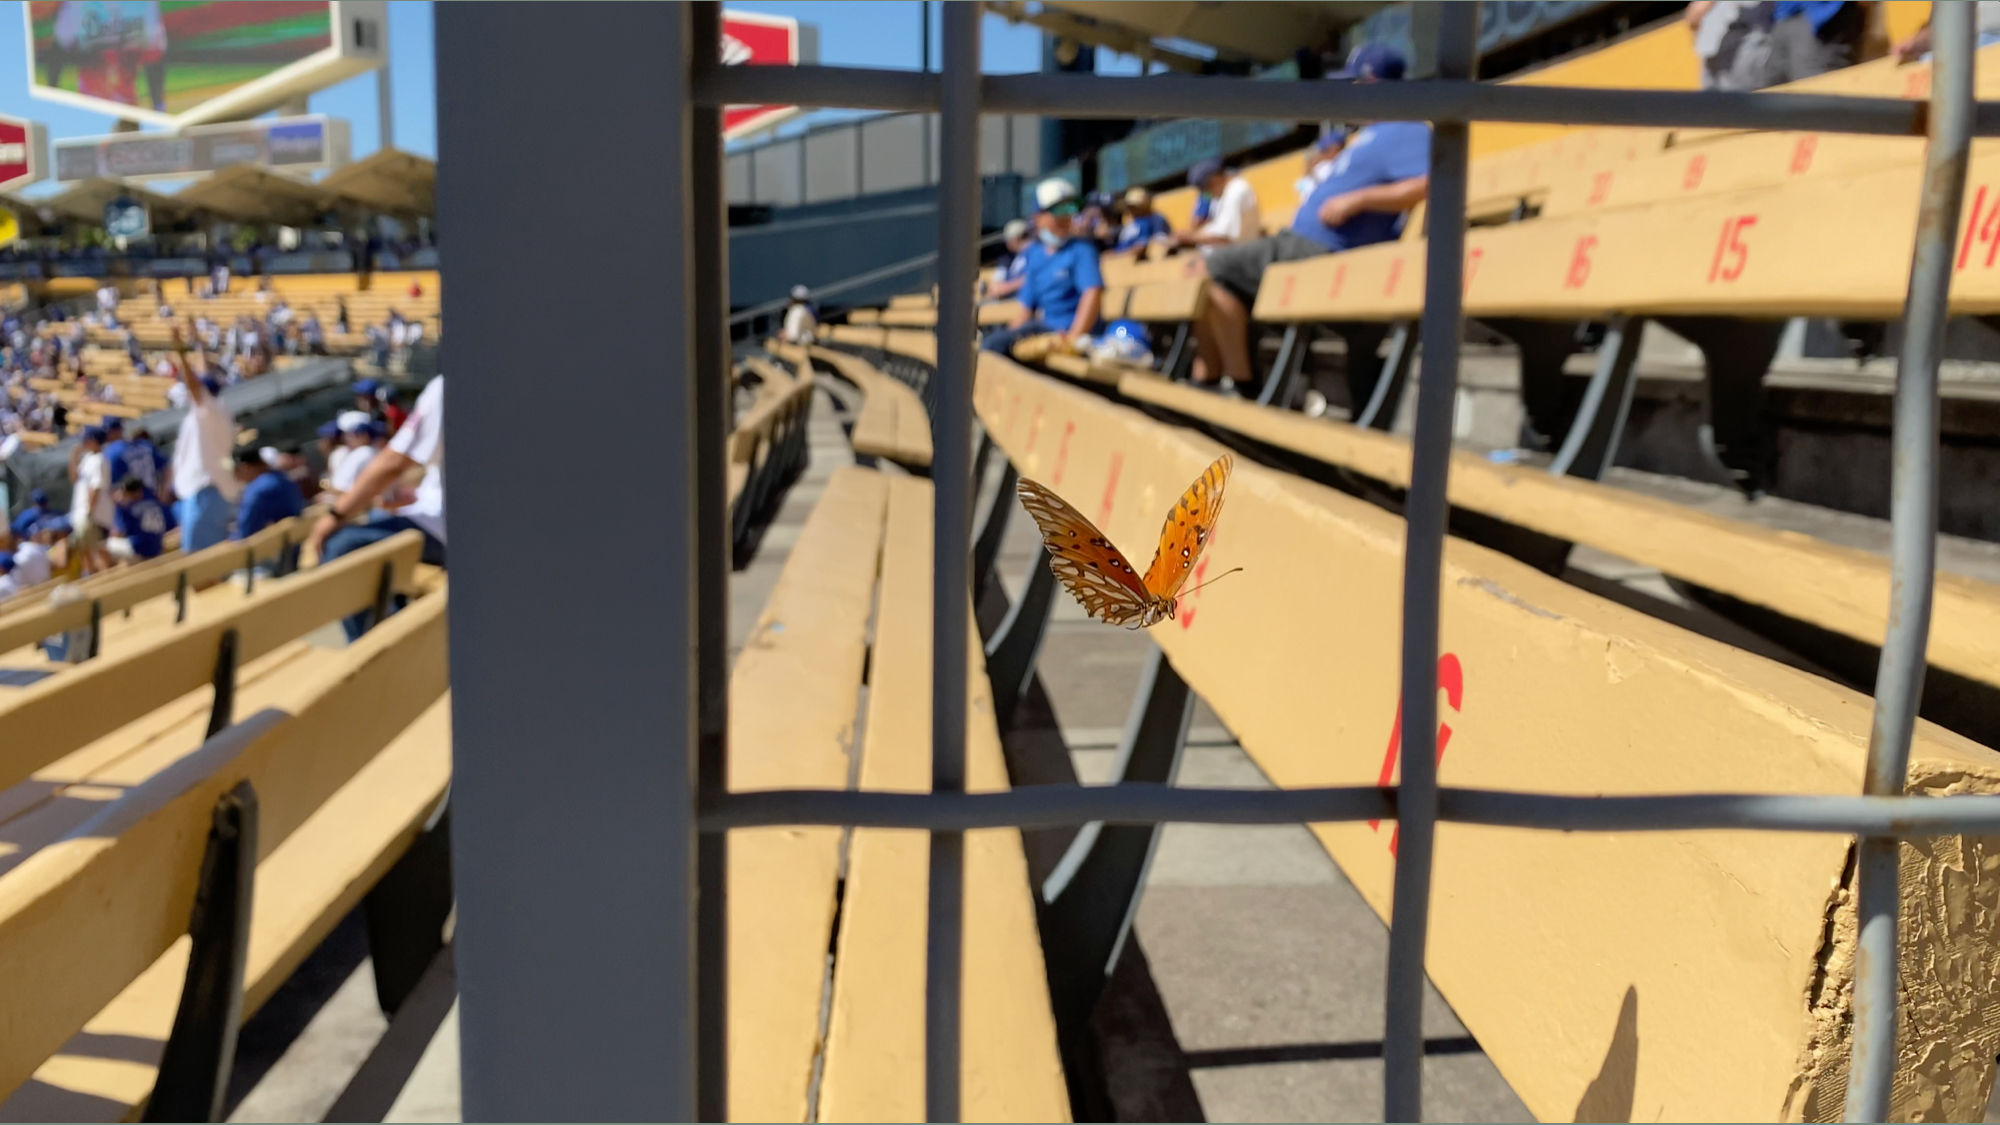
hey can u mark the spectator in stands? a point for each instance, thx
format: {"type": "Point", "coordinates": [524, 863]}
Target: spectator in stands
{"type": "Point", "coordinates": [202, 484]}
{"type": "Point", "coordinates": [142, 524]}
{"type": "Point", "coordinates": [1811, 37]}
{"type": "Point", "coordinates": [367, 397]}
{"type": "Point", "coordinates": [8, 586]}
{"type": "Point", "coordinates": [1319, 161]}
{"type": "Point", "coordinates": [419, 444]}
{"type": "Point", "coordinates": [312, 337]}
{"type": "Point", "coordinates": [1232, 217]}
{"type": "Point", "coordinates": [1732, 41]}
{"type": "Point", "coordinates": [1098, 220]}
{"type": "Point", "coordinates": [1143, 226]}
{"type": "Point", "coordinates": [34, 513]}
{"type": "Point", "coordinates": [135, 456]}
{"type": "Point", "coordinates": [1018, 236]}
{"type": "Point", "coordinates": [268, 494]}
{"type": "Point", "coordinates": [107, 299]}
{"type": "Point", "coordinates": [31, 559]}
{"type": "Point", "coordinates": [1377, 178]}
{"type": "Point", "coordinates": [340, 315]}
{"type": "Point", "coordinates": [90, 499]}
{"type": "Point", "coordinates": [393, 413]}
{"type": "Point", "coordinates": [801, 325]}
{"type": "Point", "coordinates": [357, 435]}
{"type": "Point", "coordinates": [378, 345]}
{"type": "Point", "coordinates": [1063, 287]}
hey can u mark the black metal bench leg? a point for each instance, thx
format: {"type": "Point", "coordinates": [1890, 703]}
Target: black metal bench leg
{"type": "Point", "coordinates": [194, 1068]}
{"type": "Point", "coordinates": [986, 545]}
{"type": "Point", "coordinates": [1386, 397]}
{"type": "Point", "coordinates": [1738, 439]}
{"type": "Point", "coordinates": [1549, 398]}
{"type": "Point", "coordinates": [1592, 442]}
{"type": "Point", "coordinates": [1285, 368]}
{"type": "Point", "coordinates": [1011, 653]}
{"type": "Point", "coordinates": [1090, 897]}
{"type": "Point", "coordinates": [406, 912]}
{"type": "Point", "coordinates": [1180, 353]}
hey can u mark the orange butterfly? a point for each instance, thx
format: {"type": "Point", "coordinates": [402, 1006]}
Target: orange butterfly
{"type": "Point", "coordinates": [1098, 576]}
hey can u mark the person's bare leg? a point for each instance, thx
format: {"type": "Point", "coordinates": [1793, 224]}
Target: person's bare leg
{"type": "Point", "coordinates": [1207, 355]}
{"type": "Point", "coordinates": [1230, 322]}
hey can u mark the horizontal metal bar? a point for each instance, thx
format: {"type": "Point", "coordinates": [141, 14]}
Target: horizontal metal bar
{"type": "Point", "coordinates": [1181, 95]}
{"type": "Point", "coordinates": [1050, 806]}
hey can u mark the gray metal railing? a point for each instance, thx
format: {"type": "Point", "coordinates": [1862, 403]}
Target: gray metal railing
{"type": "Point", "coordinates": [691, 972]}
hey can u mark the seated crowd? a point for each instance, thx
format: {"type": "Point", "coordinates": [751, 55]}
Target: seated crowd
{"type": "Point", "coordinates": [1358, 187]}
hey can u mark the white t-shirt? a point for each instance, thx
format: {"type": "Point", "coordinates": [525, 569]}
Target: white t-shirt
{"type": "Point", "coordinates": [422, 440]}
{"type": "Point", "coordinates": [348, 470]}
{"type": "Point", "coordinates": [8, 587]}
{"type": "Point", "coordinates": [31, 564]}
{"type": "Point", "coordinates": [799, 325]}
{"type": "Point", "coordinates": [201, 452]}
{"type": "Point", "coordinates": [1234, 215]}
{"type": "Point", "coordinates": [90, 478]}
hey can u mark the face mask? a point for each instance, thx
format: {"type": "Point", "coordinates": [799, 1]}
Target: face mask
{"type": "Point", "coordinates": [1049, 238]}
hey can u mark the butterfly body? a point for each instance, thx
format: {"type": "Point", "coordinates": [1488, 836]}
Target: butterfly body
{"type": "Point", "coordinates": [1099, 576]}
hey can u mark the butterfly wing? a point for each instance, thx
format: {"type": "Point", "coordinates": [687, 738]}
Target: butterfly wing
{"type": "Point", "coordinates": [1096, 574]}
{"type": "Point", "coordinates": [1189, 524]}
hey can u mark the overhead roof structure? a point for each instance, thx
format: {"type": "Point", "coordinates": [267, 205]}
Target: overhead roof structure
{"type": "Point", "coordinates": [85, 200]}
{"type": "Point", "coordinates": [253, 194]}
{"type": "Point", "coordinates": [389, 180]}
{"type": "Point", "coordinates": [1255, 30]}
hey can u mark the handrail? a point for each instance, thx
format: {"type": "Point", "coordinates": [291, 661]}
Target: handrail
{"type": "Point", "coordinates": [857, 281]}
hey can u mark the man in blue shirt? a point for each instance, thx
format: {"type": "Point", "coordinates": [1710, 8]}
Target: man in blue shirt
{"type": "Point", "coordinates": [37, 509]}
{"type": "Point", "coordinates": [142, 522]}
{"type": "Point", "coordinates": [1810, 37]}
{"type": "Point", "coordinates": [135, 457]}
{"type": "Point", "coordinates": [1142, 223]}
{"type": "Point", "coordinates": [1063, 287]}
{"type": "Point", "coordinates": [268, 495]}
{"type": "Point", "coordinates": [1381, 174]}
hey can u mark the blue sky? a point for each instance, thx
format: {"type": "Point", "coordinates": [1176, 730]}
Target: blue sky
{"type": "Point", "coordinates": [877, 33]}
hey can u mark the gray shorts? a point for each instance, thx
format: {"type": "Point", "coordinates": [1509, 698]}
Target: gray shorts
{"type": "Point", "coordinates": [1239, 267]}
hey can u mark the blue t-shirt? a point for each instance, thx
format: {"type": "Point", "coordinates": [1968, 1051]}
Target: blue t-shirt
{"type": "Point", "coordinates": [1058, 278]}
{"type": "Point", "coordinates": [1140, 231]}
{"type": "Point", "coordinates": [266, 500]}
{"type": "Point", "coordinates": [1816, 12]}
{"type": "Point", "coordinates": [128, 458]}
{"type": "Point", "coordinates": [1016, 266]}
{"type": "Point", "coordinates": [1384, 153]}
{"type": "Point", "coordinates": [24, 524]}
{"type": "Point", "coordinates": [144, 522]}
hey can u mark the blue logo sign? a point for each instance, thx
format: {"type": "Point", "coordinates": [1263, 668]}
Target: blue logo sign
{"type": "Point", "coordinates": [125, 218]}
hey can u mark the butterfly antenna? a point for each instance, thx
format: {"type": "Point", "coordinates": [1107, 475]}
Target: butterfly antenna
{"type": "Point", "coordinates": [1212, 581]}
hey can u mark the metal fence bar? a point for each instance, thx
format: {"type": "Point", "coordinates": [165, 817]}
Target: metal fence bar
{"type": "Point", "coordinates": [708, 206]}
{"type": "Point", "coordinates": [1084, 96]}
{"type": "Point", "coordinates": [1424, 511]}
{"type": "Point", "coordinates": [951, 465]}
{"type": "Point", "coordinates": [1913, 517]}
{"type": "Point", "coordinates": [1056, 806]}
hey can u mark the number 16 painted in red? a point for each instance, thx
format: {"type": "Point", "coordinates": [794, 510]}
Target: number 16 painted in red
{"type": "Point", "coordinates": [1451, 677]}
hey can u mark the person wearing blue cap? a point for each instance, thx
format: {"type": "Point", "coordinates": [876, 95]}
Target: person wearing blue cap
{"type": "Point", "coordinates": [1143, 226]}
{"type": "Point", "coordinates": [418, 444]}
{"type": "Point", "coordinates": [268, 494]}
{"type": "Point", "coordinates": [367, 394]}
{"type": "Point", "coordinates": [37, 509]}
{"type": "Point", "coordinates": [1064, 286]}
{"type": "Point", "coordinates": [1380, 174]}
{"type": "Point", "coordinates": [1319, 161]}
{"type": "Point", "coordinates": [133, 455]}
{"type": "Point", "coordinates": [1232, 211]}
{"type": "Point", "coordinates": [142, 523]}
{"type": "Point", "coordinates": [204, 482]}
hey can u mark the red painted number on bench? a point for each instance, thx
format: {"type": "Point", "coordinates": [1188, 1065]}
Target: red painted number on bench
{"type": "Point", "coordinates": [1982, 225]}
{"type": "Point", "coordinates": [1472, 257]}
{"type": "Point", "coordinates": [1579, 262]}
{"type": "Point", "coordinates": [1802, 154]}
{"type": "Point", "coordinates": [1600, 188]}
{"type": "Point", "coordinates": [1034, 428]}
{"type": "Point", "coordinates": [1110, 489]}
{"type": "Point", "coordinates": [1918, 83]}
{"type": "Point", "coordinates": [1697, 167]}
{"type": "Point", "coordinates": [1339, 279]}
{"type": "Point", "coordinates": [1395, 275]}
{"type": "Point", "coordinates": [1730, 251]}
{"type": "Point", "coordinates": [1451, 678]}
{"type": "Point", "coordinates": [1285, 291]}
{"type": "Point", "coordinates": [1062, 453]}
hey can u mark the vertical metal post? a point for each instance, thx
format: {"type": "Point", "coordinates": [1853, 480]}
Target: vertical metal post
{"type": "Point", "coordinates": [1423, 556]}
{"type": "Point", "coordinates": [1913, 514]}
{"type": "Point", "coordinates": [575, 942]}
{"type": "Point", "coordinates": [385, 100]}
{"type": "Point", "coordinates": [951, 446]}
{"type": "Point", "coordinates": [713, 543]}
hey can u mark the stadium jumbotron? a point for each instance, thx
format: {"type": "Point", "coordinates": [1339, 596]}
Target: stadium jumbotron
{"type": "Point", "coordinates": [1121, 561]}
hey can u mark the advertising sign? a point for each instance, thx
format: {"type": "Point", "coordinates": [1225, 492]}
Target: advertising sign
{"type": "Point", "coordinates": [10, 227]}
{"type": "Point", "coordinates": [749, 39]}
{"type": "Point", "coordinates": [22, 144]}
{"type": "Point", "coordinates": [295, 144]}
{"type": "Point", "coordinates": [126, 218]}
{"type": "Point", "coordinates": [181, 63]}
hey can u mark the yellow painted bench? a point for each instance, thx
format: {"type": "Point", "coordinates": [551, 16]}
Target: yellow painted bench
{"type": "Point", "coordinates": [808, 648]}
{"type": "Point", "coordinates": [1010, 1068]}
{"type": "Point", "coordinates": [348, 757]}
{"type": "Point", "coordinates": [1684, 976]}
{"type": "Point", "coordinates": [893, 424]}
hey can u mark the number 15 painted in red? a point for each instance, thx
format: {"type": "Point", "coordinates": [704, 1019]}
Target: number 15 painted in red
{"type": "Point", "coordinates": [1730, 253]}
